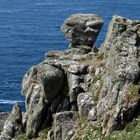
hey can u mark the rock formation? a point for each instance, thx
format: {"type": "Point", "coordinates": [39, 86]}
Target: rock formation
{"type": "Point", "coordinates": [64, 125]}
{"type": "Point", "coordinates": [3, 118]}
{"type": "Point", "coordinates": [119, 96]}
{"type": "Point", "coordinates": [82, 30]}
{"type": "Point", "coordinates": [81, 82]}
{"type": "Point", "coordinates": [41, 85]}
{"type": "Point", "coordinates": [13, 125]}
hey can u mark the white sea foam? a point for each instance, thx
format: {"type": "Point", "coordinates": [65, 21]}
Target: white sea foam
{"type": "Point", "coordinates": [10, 101]}
{"type": "Point", "coordinates": [38, 3]}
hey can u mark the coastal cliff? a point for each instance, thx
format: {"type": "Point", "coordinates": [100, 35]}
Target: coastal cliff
{"type": "Point", "coordinates": [82, 92]}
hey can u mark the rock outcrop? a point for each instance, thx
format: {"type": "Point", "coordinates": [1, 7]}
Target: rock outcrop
{"type": "Point", "coordinates": [119, 96]}
{"type": "Point", "coordinates": [82, 30]}
{"type": "Point", "coordinates": [41, 85]}
{"type": "Point", "coordinates": [53, 85]}
{"type": "Point", "coordinates": [65, 125]}
{"type": "Point", "coordinates": [82, 83]}
{"type": "Point", "coordinates": [85, 103]}
{"type": "Point", "coordinates": [3, 118]}
{"type": "Point", "coordinates": [13, 125]}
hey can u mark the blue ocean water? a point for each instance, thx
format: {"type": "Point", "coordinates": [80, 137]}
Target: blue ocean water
{"type": "Point", "coordinates": [29, 28]}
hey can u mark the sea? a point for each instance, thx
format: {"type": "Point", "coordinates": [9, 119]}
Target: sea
{"type": "Point", "coordinates": [29, 28]}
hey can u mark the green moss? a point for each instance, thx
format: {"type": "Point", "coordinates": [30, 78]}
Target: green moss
{"type": "Point", "coordinates": [21, 137]}
{"type": "Point", "coordinates": [43, 134]}
{"type": "Point", "coordinates": [96, 78]}
{"type": "Point", "coordinates": [101, 83]}
{"type": "Point", "coordinates": [93, 132]}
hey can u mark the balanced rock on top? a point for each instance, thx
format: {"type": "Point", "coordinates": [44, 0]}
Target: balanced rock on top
{"type": "Point", "coordinates": [82, 29]}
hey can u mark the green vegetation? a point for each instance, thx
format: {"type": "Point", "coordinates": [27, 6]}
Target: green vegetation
{"type": "Point", "coordinates": [21, 137]}
{"type": "Point", "coordinates": [131, 132]}
{"type": "Point", "coordinates": [96, 78]}
{"type": "Point", "coordinates": [43, 134]}
{"type": "Point", "coordinates": [96, 95]}
{"type": "Point", "coordinates": [96, 92]}
{"type": "Point", "coordinates": [93, 132]}
{"type": "Point", "coordinates": [87, 131]}
{"type": "Point", "coordinates": [132, 92]}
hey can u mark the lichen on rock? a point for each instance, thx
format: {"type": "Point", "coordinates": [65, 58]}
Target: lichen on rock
{"type": "Point", "coordinates": [84, 92]}
{"type": "Point", "coordinates": [122, 69]}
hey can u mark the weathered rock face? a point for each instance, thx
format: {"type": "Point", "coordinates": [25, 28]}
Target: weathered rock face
{"type": "Point", "coordinates": [64, 125]}
{"type": "Point", "coordinates": [45, 78]}
{"type": "Point", "coordinates": [85, 103]}
{"type": "Point", "coordinates": [40, 86]}
{"type": "Point", "coordinates": [3, 118]}
{"type": "Point", "coordinates": [13, 125]}
{"type": "Point", "coordinates": [120, 26]}
{"type": "Point", "coordinates": [119, 96]}
{"type": "Point", "coordinates": [82, 29]}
